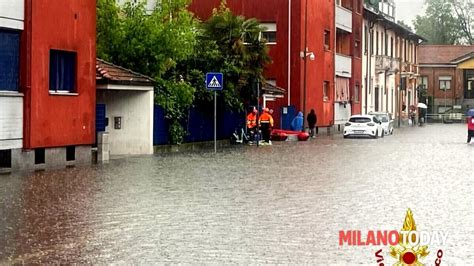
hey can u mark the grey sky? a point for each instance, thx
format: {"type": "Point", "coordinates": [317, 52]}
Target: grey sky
{"type": "Point", "coordinates": [408, 9]}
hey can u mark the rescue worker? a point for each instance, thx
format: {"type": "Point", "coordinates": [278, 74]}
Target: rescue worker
{"type": "Point", "coordinates": [266, 125]}
{"type": "Point", "coordinates": [252, 124]}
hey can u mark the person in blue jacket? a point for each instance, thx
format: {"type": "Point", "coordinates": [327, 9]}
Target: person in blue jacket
{"type": "Point", "coordinates": [297, 123]}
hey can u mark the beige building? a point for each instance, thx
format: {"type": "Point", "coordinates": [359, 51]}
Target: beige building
{"type": "Point", "coordinates": [390, 64]}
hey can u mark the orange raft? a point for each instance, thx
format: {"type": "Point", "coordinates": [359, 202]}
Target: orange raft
{"type": "Point", "coordinates": [282, 135]}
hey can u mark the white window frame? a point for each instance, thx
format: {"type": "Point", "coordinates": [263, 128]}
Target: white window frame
{"type": "Point", "coordinates": [444, 79]}
{"type": "Point", "coordinates": [269, 27]}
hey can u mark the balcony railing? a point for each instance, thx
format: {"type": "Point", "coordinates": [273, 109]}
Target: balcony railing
{"type": "Point", "coordinates": [343, 18]}
{"type": "Point", "coordinates": [343, 65]}
{"type": "Point", "coordinates": [386, 63]}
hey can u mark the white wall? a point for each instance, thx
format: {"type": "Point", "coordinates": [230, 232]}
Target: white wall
{"type": "Point", "coordinates": [12, 14]}
{"type": "Point", "coordinates": [11, 122]}
{"type": "Point", "coordinates": [136, 109]}
{"type": "Point", "coordinates": [341, 113]}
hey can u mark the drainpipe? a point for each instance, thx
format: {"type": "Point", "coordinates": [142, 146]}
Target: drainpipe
{"type": "Point", "coordinates": [289, 53]}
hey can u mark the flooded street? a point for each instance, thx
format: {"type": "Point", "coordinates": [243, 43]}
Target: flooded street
{"type": "Point", "coordinates": [275, 204]}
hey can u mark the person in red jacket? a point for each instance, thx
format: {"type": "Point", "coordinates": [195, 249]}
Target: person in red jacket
{"type": "Point", "coordinates": [470, 128]}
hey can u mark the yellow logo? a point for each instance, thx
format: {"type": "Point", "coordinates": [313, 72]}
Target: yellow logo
{"type": "Point", "coordinates": [405, 252]}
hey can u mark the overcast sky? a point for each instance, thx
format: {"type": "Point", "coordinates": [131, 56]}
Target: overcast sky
{"type": "Point", "coordinates": [408, 9]}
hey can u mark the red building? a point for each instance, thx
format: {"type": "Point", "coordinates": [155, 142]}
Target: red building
{"type": "Point", "coordinates": [286, 33]}
{"type": "Point", "coordinates": [57, 78]}
{"type": "Point", "coordinates": [291, 26]}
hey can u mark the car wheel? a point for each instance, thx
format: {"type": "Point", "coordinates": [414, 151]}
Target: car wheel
{"type": "Point", "coordinates": [383, 133]}
{"type": "Point", "coordinates": [345, 137]}
{"type": "Point", "coordinates": [376, 136]}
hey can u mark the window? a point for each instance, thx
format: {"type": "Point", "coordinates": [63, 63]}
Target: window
{"type": "Point", "coordinates": [357, 49]}
{"type": "Point", "coordinates": [70, 153]}
{"type": "Point", "coordinates": [9, 60]}
{"type": "Point", "coordinates": [327, 39]}
{"type": "Point", "coordinates": [360, 120]}
{"type": "Point", "coordinates": [356, 92]}
{"type": "Point", "coordinates": [62, 71]}
{"type": "Point", "coordinates": [326, 90]}
{"type": "Point", "coordinates": [445, 83]}
{"type": "Point", "coordinates": [40, 156]}
{"type": "Point", "coordinates": [5, 158]}
{"type": "Point", "coordinates": [386, 44]}
{"type": "Point", "coordinates": [376, 43]}
{"type": "Point", "coordinates": [423, 82]}
{"type": "Point", "coordinates": [391, 47]}
{"type": "Point", "coordinates": [269, 33]}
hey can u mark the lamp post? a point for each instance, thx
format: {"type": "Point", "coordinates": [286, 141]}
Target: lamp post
{"type": "Point", "coordinates": [304, 58]}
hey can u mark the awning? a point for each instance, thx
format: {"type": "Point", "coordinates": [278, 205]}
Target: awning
{"type": "Point", "coordinates": [342, 89]}
{"type": "Point", "coordinates": [270, 89]}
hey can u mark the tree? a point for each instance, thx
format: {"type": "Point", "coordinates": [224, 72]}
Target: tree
{"type": "Point", "coordinates": [438, 25]}
{"type": "Point", "coordinates": [464, 10]}
{"type": "Point", "coordinates": [446, 22]}
{"type": "Point", "coordinates": [230, 44]}
{"type": "Point", "coordinates": [108, 29]}
{"type": "Point", "coordinates": [174, 48]}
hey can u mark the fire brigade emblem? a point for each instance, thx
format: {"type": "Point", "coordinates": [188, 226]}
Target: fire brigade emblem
{"type": "Point", "coordinates": [405, 253]}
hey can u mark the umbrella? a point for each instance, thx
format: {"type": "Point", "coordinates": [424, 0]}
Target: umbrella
{"type": "Point", "coordinates": [470, 112]}
{"type": "Point", "coordinates": [422, 105]}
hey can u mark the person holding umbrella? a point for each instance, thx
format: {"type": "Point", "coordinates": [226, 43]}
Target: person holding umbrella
{"type": "Point", "coordinates": [470, 125]}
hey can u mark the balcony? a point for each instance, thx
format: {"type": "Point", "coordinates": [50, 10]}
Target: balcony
{"type": "Point", "coordinates": [385, 63]}
{"type": "Point", "coordinates": [343, 65]}
{"type": "Point", "coordinates": [343, 18]}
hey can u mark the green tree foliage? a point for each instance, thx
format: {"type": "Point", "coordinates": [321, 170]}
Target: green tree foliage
{"type": "Point", "coordinates": [464, 10]}
{"type": "Point", "coordinates": [446, 22]}
{"type": "Point", "coordinates": [174, 48]}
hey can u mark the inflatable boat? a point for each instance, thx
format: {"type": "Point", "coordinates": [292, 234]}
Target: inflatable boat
{"type": "Point", "coordinates": [283, 135]}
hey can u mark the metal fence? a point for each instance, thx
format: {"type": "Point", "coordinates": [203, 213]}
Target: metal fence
{"type": "Point", "coordinates": [446, 118]}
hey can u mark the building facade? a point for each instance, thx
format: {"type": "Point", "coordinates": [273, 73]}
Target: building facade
{"type": "Point", "coordinates": [447, 76]}
{"type": "Point", "coordinates": [390, 63]}
{"type": "Point", "coordinates": [11, 97]}
{"type": "Point", "coordinates": [55, 84]}
{"type": "Point", "coordinates": [348, 59]}
{"type": "Point", "coordinates": [301, 35]}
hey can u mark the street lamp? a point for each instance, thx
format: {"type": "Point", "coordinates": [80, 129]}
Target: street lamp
{"type": "Point", "coordinates": [311, 56]}
{"type": "Point", "coordinates": [305, 54]}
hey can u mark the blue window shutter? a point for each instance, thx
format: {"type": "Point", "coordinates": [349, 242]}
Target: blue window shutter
{"type": "Point", "coordinates": [9, 60]}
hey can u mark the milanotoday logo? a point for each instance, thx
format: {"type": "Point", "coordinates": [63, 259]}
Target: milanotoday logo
{"type": "Point", "coordinates": [408, 246]}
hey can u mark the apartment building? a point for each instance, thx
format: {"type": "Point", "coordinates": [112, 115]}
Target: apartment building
{"type": "Point", "coordinates": [47, 84]}
{"type": "Point", "coordinates": [390, 62]}
{"type": "Point", "coordinates": [348, 59]}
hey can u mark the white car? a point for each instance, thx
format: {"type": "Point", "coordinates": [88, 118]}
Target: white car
{"type": "Point", "coordinates": [363, 125]}
{"type": "Point", "coordinates": [387, 122]}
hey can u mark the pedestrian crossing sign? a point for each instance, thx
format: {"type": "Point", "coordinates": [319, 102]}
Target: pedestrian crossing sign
{"type": "Point", "coordinates": [214, 81]}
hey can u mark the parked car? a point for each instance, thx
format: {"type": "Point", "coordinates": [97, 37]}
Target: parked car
{"type": "Point", "coordinates": [387, 121]}
{"type": "Point", "coordinates": [363, 125]}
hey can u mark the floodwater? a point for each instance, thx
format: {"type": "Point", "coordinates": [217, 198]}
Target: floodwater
{"type": "Point", "coordinates": [284, 203]}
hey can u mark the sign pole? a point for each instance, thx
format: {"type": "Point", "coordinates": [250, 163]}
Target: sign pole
{"type": "Point", "coordinates": [214, 82]}
{"type": "Point", "coordinates": [215, 121]}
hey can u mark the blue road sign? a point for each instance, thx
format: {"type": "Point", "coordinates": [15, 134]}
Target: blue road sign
{"type": "Point", "coordinates": [214, 81]}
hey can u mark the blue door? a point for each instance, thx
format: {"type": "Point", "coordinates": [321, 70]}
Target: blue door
{"type": "Point", "coordinates": [100, 117]}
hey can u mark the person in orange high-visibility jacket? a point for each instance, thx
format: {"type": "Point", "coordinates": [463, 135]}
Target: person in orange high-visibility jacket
{"type": "Point", "coordinates": [266, 125]}
{"type": "Point", "coordinates": [252, 119]}
{"type": "Point", "coordinates": [252, 124]}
